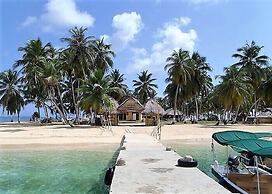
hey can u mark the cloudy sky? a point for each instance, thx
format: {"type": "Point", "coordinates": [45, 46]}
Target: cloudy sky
{"type": "Point", "coordinates": [142, 32]}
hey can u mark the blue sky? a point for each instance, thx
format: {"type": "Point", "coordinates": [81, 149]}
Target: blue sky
{"type": "Point", "coordinates": [142, 32]}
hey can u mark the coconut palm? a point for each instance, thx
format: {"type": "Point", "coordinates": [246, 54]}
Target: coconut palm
{"type": "Point", "coordinates": [80, 47]}
{"type": "Point", "coordinates": [117, 80]}
{"type": "Point", "coordinates": [265, 89]}
{"type": "Point", "coordinates": [201, 82]}
{"type": "Point", "coordinates": [103, 55]}
{"type": "Point", "coordinates": [96, 92]}
{"type": "Point", "coordinates": [50, 76]}
{"type": "Point", "coordinates": [11, 92]}
{"type": "Point", "coordinates": [180, 70]}
{"type": "Point", "coordinates": [144, 86]}
{"type": "Point", "coordinates": [252, 62]}
{"type": "Point", "coordinates": [234, 88]}
{"type": "Point", "coordinates": [34, 56]}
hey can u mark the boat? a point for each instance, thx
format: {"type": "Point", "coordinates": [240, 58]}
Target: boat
{"type": "Point", "coordinates": [237, 175]}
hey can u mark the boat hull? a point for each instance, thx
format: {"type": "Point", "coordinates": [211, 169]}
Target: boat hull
{"type": "Point", "coordinates": [224, 181]}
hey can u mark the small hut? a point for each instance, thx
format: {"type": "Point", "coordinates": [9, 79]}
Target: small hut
{"type": "Point", "coordinates": [152, 112]}
{"type": "Point", "coordinates": [169, 113]}
{"type": "Point", "coordinates": [130, 110]}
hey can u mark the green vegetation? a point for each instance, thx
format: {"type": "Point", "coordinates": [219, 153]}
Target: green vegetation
{"type": "Point", "coordinates": [80, 78]}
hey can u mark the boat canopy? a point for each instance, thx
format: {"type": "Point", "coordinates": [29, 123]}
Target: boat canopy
{"type": "Point", "coordinates": [245, 141]}
{"type": "Point", "coordinates": [225, 137]}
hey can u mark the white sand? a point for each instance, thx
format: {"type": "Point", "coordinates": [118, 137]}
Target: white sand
{"type": "Point", "coordinates": [60, 136]}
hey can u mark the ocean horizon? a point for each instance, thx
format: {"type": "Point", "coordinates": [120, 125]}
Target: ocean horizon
{"type": "Point", "coordinates": [8, 118]}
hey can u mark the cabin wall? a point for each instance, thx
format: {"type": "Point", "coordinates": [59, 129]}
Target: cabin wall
{"type": "Point", "coordinates": [151, 120]}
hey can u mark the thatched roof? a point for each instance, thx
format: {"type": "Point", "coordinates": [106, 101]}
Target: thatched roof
{"type": "Point", "coordinates": [131, 104]}
{"type": "Point", "coordinates": [153, 107]}
{"type": "Point", "coordinates": [170, 112]}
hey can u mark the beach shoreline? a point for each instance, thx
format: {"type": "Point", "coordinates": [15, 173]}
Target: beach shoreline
{"type": "Point", "coordinates": [61, 137]}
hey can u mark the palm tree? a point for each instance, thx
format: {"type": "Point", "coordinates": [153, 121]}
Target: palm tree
{"type": "Point", "coordinates": [34, 56]}
{"type": "Point", "coordinates": [201, 82]}
{"type": "Point", "coordinates": [96, 92]}
{"type": "Point", "coordinates": [265, 89]}
{"type": "Point", "coordinates": [251, 62]}
{"type": "Point", "coordinates": [180, 70]}
{"type": "Point", "coordinates": [144, 86]}
{"type": "Point", "coordinates": [81, 49]}
{"type": "Point", "coordinates": [11, 92]}
{"type": "Point", "coordinates": [50, 76]}
{"type": "Point", "coordinates": [117, 80]}
{"type": "Point", "coordinates": [103, 55]}
{"type": "Point", "coordinates": [234, 88]}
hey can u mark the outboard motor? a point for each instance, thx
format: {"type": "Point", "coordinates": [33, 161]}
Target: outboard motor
{"type": "Point", "coordinates": [233, 163]}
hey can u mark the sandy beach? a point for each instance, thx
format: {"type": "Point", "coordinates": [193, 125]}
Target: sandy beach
{"type": "Point", "coordinates": [27, 136]}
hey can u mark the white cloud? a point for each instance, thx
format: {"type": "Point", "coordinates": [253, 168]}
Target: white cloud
{"type": "Point", "coordinates": [204, 1]}
{"type": "Point", "coordinates": [170, 37]}
{"type": "Point", "coordinates": [62, 14]}
{"type": "Point", "coordinates": [126, 25]}
{"type": "Point", "coordinates": [29, 21]}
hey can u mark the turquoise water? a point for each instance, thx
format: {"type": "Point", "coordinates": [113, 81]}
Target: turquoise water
{"type": "Point", "coordinates": [201, 151]}
{"type": "Point", "coordinates": [64, 171]}
{"type": "Point", "coordinates": [77, 171]}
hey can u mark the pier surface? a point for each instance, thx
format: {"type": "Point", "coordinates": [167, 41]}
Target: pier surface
{"type": "Point", "coordinates": [149, 168]}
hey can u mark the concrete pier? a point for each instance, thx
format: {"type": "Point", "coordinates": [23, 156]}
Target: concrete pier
{"type": "Point", "coordinates": [146, 167]}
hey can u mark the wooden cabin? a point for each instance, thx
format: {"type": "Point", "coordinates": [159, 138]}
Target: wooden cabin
{"type": "Point", "coordinates": [152, 112]}
{"type": "Point", "coordinates": [130, 110]}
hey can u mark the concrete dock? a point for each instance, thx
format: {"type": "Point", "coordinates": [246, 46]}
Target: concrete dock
{"type": "Point", "coordinates": [146, 167]}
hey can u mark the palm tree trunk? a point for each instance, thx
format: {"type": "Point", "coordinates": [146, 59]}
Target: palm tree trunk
{"type": "Point", "coordinates": [46, 111]}
{"type": "Point", "coordinates": [236, 115]}
{"type": "Point", "coordinates": [18, 116]}
{"type": "Point", "coordinates": [255, 107]}
{"type": "Point", "coordinates": [196, 104]}
{"type": "Point", "coordinates": [61, 102]}
{"type": "Point", "coordinates": [58, 109]}
{"type": "Point", "coordinates": [251, 108]}
{"type": "Point", "coordinates": [39, 112]}
{"type": "Point", "coordinates": [175, 103]}
{"type": "Point", "coordinates": [74, 100]}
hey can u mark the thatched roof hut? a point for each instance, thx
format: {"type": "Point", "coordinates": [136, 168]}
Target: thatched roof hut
{"type": "Point", "coordinates": [153, 107]}
{"type": "Point", "coordinates": [131, 104]}
{"type": "Point", "coordinates": [170, 112]}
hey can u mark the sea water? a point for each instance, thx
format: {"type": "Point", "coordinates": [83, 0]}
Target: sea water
{"type": "Point", "coordinates": [78, 171]}
{"type": "Point", "coordinates": [55, 171]}
{"type": "Point", "coordinates": [4, 119]}
{"type": "Point", "coordinates": [202, 152]}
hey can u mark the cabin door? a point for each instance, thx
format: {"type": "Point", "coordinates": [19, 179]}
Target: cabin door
{"type": "Point", "coordinates": [134, 116]}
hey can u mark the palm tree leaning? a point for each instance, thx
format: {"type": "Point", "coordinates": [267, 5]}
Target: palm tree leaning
{"type": "Point", "coordinates": [180, 70]}
{"type": "Point", "coordinates": [144, 86]}
{"type": "Point", "coordinates": [252, 62]}
{"type": "Point", "coordinates": [11, 92]}
{"type": "Point", "coordinates": [50, 77]}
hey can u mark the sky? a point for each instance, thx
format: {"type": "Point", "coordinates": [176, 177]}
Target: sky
{"type": "Point", "coordinates": [142, 32]}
